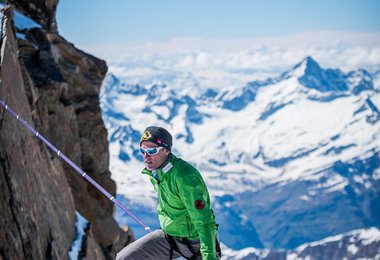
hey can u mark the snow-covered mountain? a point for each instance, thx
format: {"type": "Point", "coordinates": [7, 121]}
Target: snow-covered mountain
{"type": "Point", "coordinates": [357, 244]}
{"type": "Point", "coordinates": [288, 160]}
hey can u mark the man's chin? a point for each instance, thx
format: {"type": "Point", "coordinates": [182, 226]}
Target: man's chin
{"type": "Point", "coordinates": [149, 167]}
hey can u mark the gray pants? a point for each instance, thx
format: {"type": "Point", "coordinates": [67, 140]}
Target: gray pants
{"type": "Point", "coordinates": [156, 245]}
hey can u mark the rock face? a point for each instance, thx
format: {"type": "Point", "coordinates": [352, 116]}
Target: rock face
{"type": "Point", "coordinates": [54, 87]}
{"type": "Point", "coordinates": [41, 11]}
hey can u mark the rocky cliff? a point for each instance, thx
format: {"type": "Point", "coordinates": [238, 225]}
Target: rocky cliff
{"type": "Point", "coordinates": [54, 87]}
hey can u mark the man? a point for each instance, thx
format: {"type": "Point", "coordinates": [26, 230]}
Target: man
{"type": "Point", "coordinates": [184, 208]}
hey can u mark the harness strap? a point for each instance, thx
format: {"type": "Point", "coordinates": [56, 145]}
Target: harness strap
{"type": "Point", "coordinates": [196, 255]}
{"type": "Point", "coordinates": [173, 246]}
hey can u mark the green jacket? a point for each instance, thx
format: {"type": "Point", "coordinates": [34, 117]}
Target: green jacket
{"type": "Point", "coordinates": [184, 207]}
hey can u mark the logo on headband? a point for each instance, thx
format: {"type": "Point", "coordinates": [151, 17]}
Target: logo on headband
{"type": "Point", "coordinates": [146, 136]}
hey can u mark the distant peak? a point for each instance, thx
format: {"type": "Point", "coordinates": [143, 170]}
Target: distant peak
{"type": "Point", "coordinates": [323, 80]}
{"type": "Point", "coordinates": [312, 67]}
{"type": "Point", "coordinates": [310, 61]}
{"type": "Point", "coordinates": [307, 66]}
{"type": "Point", "coordinates": [111, 79]}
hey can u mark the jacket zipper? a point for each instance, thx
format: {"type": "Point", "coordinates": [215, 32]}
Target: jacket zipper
{"type": "Point", "coordinates": [157, 178]}
{"type": "Point", "coordinates": [188, 227]}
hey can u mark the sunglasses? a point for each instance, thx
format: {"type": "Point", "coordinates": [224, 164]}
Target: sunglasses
{"type": "Point", "coordinates": [150, 151]}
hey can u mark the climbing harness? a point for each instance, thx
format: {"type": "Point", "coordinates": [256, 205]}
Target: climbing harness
{"type": "Point", "coordinates": [73, 165]}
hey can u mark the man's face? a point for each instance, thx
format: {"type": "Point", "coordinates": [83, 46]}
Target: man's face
{"type": "Point", "coordinates": [153, 162]}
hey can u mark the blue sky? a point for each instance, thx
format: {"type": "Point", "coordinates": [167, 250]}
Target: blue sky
{"type": "Point", "coordinates": [101, 21]}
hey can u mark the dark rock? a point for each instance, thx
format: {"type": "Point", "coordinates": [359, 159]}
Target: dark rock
{"type": "Point", "coordinates": [41, 11]}
{"type": "Point", "coordinates": [36, 205]}
{"type": "Point", "coordinates": [54, 87]}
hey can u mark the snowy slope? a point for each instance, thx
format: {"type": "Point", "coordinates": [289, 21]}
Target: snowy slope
{"type": "Point", "coordinates": [357, 244]}
{"type": "Point", "coordinates": [277, 154]}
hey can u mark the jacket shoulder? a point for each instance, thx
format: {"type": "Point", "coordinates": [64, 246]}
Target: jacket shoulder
{"type": "Point", "coordinates": [185, 173]}
{"type": "Point", "coordinates": [182, 166]}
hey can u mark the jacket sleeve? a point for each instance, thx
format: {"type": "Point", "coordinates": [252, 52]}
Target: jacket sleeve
{"type": "Point", "coordinates": [194, 194]}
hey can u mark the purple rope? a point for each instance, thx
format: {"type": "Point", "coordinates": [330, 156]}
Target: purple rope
{"type": "Point", "coordinates": [73, 165]}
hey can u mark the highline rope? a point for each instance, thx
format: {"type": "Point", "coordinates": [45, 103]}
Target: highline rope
{"type": "Point", "coordinates": [73, 165]}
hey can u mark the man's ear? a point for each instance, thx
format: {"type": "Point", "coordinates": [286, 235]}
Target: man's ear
{"type": "Point", "coordinates": [167, 151]}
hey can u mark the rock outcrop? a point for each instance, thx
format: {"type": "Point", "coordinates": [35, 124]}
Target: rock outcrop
{"type": "Point", "coordinates": [55, 88]}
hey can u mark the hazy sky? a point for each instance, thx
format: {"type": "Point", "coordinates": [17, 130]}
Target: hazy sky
{"type": "Point", "coordinates": [111, 21]}
{"type": "Point", "coordinates": [134, 36]}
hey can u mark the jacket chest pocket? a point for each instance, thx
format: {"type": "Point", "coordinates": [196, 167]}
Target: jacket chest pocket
{"type": "Point", "coordinates": [169, 198]}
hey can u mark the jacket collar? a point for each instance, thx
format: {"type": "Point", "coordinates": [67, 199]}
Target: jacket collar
{"type": "Point", "coordinates": [164, 169]}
